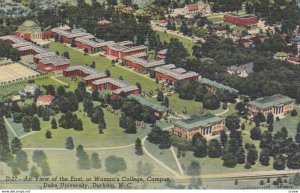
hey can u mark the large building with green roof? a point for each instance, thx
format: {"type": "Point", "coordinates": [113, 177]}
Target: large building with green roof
{"type": "Point", "coordinates": [277, 104]}
{"type": "Point", "coordinates": [206, 125]}
{"type": "Point", "coordinates": [215, 87]}
{"type": "Point", "coordinates": [29, 30]}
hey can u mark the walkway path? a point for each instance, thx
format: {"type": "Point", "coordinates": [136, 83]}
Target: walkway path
{"type": "Point", "coordinates": [177, 161]}
{"type": "Point", "coordinates": [155, 159]}
{"type": "Point", "coordinates": [54, 78]}
{"type": "Point", "coordinates": [10, 127]}
{"type": "Point", "coordinates": [87, 149]}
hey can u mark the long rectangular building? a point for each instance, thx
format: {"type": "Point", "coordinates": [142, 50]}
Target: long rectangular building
{"type": "Point", "coordinates": [161, 110]}
{"type": "Point", "coordinates": [116, 86]}
{"type": "Point", "coordinates": [89, 74]}
{"type": "Point", "coordinates": [206, 125]}
{"type": "Point", "coordinates": [122, 49]}
{"type": "Point", "coordinates": [278, 105]}
{"type": "Point", "coordinates": [171, 73]}
{"type": "Point", "coordinates": [215, 87]}
{"type": "Point", "coordinates": [141, 64]}
{"type": "Point", "coordinates": [241, 20]}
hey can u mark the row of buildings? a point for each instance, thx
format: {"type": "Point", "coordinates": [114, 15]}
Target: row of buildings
{"type": "Point", "coordinates": [100, 81]}
{"type": "Point", "coordinates": [209, 125]}
{"type": "Point", "coordinates": [45, 60]}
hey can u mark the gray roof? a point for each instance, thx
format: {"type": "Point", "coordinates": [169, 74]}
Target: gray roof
{"type": "Point", "coordinates": [55, 60]}
{"type": "Point", "coordinates": [143, 62]}
{"type": "Point", "coordinates": [62, 31]}
{"type": "Point", "coordinates": [197, 121]}
{"type": "Point", "coordinates": [145, 102]}
{"type": "Point", "coordinates": [163, 52]}
{"type": "Point", "coordinates": [177, 73]}
{"type": "Point", "coordinates": [271, 101]}
{"type": "Point", "coordinates": [247, 67]}
{"type": "Point", "coordinates": [217, 85]}
{"type": "Point", "coordinates": [123, 86]}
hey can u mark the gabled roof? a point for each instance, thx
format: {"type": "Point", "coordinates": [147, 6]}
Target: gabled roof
{"type": "Point", "coordinates": [145, 102]}
{"type": "Point", "coordinates": [47, 98]}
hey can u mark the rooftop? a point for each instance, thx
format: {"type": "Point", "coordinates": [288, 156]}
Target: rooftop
{"type": "Point", "coordinates": [271, 101]}
{"type": "Point", "coordinates": [177, 73]}
{"type": "Point", "coordinates": [29, 23]}
{"type": "Point", "coordinates": [217, 85]}
{"type": "Point", "coordinates": [197, 121]}
{"type": "Point", "coordinates": [47, 98]}
{"type": "Point", "coordinates": [55, 60]}
{"type": "Point", "coordinates": [143, 62]}
{"type": "Point", "coordinates": [123, 86]}
{"type": "Point", "coordinates": [247, 67]}
{"type": "Point", "coordinates": [145, 102]}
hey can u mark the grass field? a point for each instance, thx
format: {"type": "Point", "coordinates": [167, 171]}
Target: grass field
{"type": "Point", "coordinates": [216, 19]}
{"type": "Point", "coordinates": [188, 44]}
{"type": "Point", "coordinates": [89, 137]}
{"type": "Point", "coordinates": [103, 63]}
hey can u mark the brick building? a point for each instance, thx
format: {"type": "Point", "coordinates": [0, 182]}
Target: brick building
{"type": "Point", "coordinates": [277, 104]}
{"type": "Point", "coordinates": [44, 100]}
{"type": "Point", "coordinates": [161, 55]}
{"type": "Point", "coordinates": [66, 35]}
{"type": "Point", "coordinates": [206, 125]}
{"type": "Point", "coordinates": [199, 7]}
{"type": "Point", "coordinates": [116, 86]}
{"type": "Point", "coordinates": [161, 111]}
{"type": "Point", "coordinates": [215, 87]}
{"type": "Point", "coordinates": [53, 64]}
{"type": "Point", "coordinates": [140, 64]}
{"type": "Point", "coordinates": [241, 20]}
{"type": "Point", "coordinates": [172, 74]}
{"type": "Point", "coordinates": [89, 74]}
{"type": "Point", "coordinates": [122, 49]}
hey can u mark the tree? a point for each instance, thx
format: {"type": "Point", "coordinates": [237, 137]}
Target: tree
{"type": "Point", "coordinates": [166, 102]}
{"type": "Point", "coordinates": [78, 126]}
{"type": "Point", "coordinates": [160, 96]}
{"type": "Point", "coordinates": [229, 160]}
{"type": "Point", "coordinates": [176, 52]}
{"type": "Point", "coordinates": [252, 155]}
{"type": "Point", "coordinates": [97, 115]}
{"type": "Point", "coordinates": [130, 126]}
{"type": "Point", "coordinates": [232, 122]}
{"type": "Point", "coordinates": [101, 126]}
{"type": "Point", "coordinates": [294, 113]}
{"type": "Point", "coordinates": [214, 149]}
{"type": "Point", "coordinates": [69, 143]}
{"type": "Point", "coordinates": [270, 118]}
{"type": "Point", "coordinates": [16, 145]}
{"type": "Point", "coordinates": [26, 123]}
{"type": "Point", "coordinates": [95, 95]}
{"type": "Point", "coordinates": [53, 123]}
{"type": "Point", "coordinates": [22, 161]}
{"type": "Point", "coordinates": [115, 164]}
{"type": "Point", "coordinates": [34, 172]}
{"type": "Point", "coordinates": [199, 145]}
{"type": "Point", "coordinates": [211, 101]}
{"type": "Point", "coordinates": [95, 161]}
{"type": "Point", "coordinates": [46, 115]}
{"type": "Point", "coordinates": [255, 133]}
{"type": "Point", "coordinates": [293, 161]}
{"type": "Point", "coordinates": [4, 144]}
{"type": "Point", "coordinates": [35, 124]}
{"type": "Point", "coordinates": [279, 162]}
{"type": "Point", "coordinates": [165, 140]}
{"type": "Point", "coordinates": [138, 147]}
{"type": "Point", "coordinates": [297, 137]}
{"type": "Point", "coordinates": [193, 169]}
{"type": "Point", "coordinates": [264, 157]}
{"type": "Point", "coordinates": [223, 137]}
{"type": "Point", "coordinates": [83, 161]}
{"type": "Point", "coordinates": [48, 135]}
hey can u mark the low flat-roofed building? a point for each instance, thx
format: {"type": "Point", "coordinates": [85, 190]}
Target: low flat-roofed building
{"type": "Point", "coordinates": [277, 104]}
{"type": "Point", "coordinates": [171, 73]}
{"type": "Point", "coordinates": [140, 64]}
{"type": "Point", "coordinates": [215, 87]}
{"type": "Point", "coordinates": [206, 125]}
{"type": "Point", "coordinates": [89, 74]}
{"type": "Point", "coordinates": [161, 110]}
{"type": "Point", "coordinates": [53, 64]}
{"type": "Point", "coordinates": [117, 86]}
{"type": "Point", "coordinates": [161, 55]}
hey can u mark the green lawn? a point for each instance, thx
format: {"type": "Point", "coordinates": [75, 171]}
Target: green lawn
{"type": "Point", "coordinates": [89, 137]}
{"type": "Point", "coordinates": [103, 63]}
{"type": "Point", "coordinates": [164, 155]}
{"type": "Point", "coordinates": [188, 44]}
{"type": "Point", "coordinates": [216, 19]}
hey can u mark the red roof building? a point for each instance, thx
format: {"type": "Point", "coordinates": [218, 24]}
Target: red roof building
{"type": "Point", "coordinates": [44, 100]}
{"type": "Point", "coordinates": [123, 49]}
{"type": "Point", "coordinates": [241, 20]}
